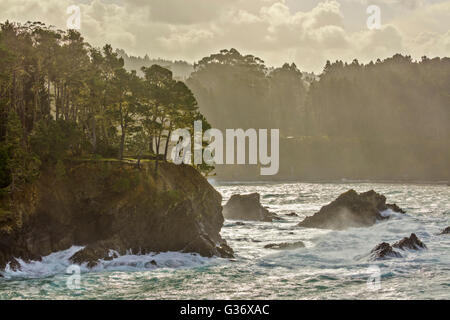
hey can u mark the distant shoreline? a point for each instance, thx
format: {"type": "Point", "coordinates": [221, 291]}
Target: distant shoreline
{"type": "Point", "coordinates": [331, 181]}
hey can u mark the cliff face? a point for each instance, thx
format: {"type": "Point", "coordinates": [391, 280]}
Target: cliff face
{"type": "Point", "coordinates": [108, 206]}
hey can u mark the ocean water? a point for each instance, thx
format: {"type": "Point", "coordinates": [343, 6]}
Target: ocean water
{"type": "Point", "coordinates": [333, 264]}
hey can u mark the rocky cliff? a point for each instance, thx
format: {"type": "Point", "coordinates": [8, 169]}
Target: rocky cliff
{"type": "Point", "coordinates": [112, 208]}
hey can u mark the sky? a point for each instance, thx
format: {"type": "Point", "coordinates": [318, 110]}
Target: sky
{"type": "Point", "coordinates": [307, 32]}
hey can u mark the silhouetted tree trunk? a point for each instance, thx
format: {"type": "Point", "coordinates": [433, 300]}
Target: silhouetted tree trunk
{"type": "Point", "coordinates": [167, 145]}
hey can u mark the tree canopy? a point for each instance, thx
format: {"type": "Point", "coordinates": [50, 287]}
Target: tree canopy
{"type": "Point", "coordinates": [63, 98]}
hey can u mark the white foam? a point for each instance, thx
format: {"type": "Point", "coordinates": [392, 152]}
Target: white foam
{"type": "Point", "coordinates": [390, 213]}
{"type": "Point", "coordinates": [50, 265]}
{"type": "Point", "coordinates": [58, 263]}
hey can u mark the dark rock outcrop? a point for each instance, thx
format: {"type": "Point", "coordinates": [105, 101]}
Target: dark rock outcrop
{"type": "Point", "coordinates": [247, 207]}
{"type": "Point", "coordinates": [292, 214]}
{"type": "Point", "coordinates": [385, 250]}
{"type": "Point", "coordinates": [349, 210]}
{"type": "Point", "coordinates": [112, 208]}
{"type": "Point", "coordinates": [411, 243]}
{"type": "Point", "coordinates": [285, 245]}
{"type": "Point", "coordinates": [446, 231]}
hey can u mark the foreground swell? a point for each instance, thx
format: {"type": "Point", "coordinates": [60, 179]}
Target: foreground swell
{"type": "Point", "coordinates": [332, 265]}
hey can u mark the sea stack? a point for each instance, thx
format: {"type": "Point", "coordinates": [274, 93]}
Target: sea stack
{"type": "Point", "coordinates": [351, 210]}
{"type": "Point", "coordinates": [247, 207]}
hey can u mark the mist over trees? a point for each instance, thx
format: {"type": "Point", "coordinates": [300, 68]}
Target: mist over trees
{"type": "Point", "coordinates": [61, 98]}
{"type": "Point", "coordinates": [240, 91]}
{"type": "Point", "coordinates": [181, 70]}
{"type": "Point", "coordinates": [382, 120]}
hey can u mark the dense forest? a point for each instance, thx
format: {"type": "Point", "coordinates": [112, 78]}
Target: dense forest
{"type": "Point", "coordinates": [61, 98]}
{"type": "Point", "coordinates": [382, 120]}
{"type": "Point", "coordinates": [240, 91]}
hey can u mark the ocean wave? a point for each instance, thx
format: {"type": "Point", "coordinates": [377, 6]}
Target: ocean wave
{"type": "Point", "coordinates": [59, 263]}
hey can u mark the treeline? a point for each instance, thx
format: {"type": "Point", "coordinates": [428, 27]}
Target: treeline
{"type": "Point", "coordinates": [381, 120]}
{"type": "Point", "coordinates": [62, 98]}
{"type": "Point", "coordinates": [181, 69]}
{"type": "Point", "coordinates": [235, 91]}
{"type": "Point", "coordinates": [396, 98]}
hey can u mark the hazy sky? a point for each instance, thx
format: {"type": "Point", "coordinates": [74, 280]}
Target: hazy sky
{"type": "Point", "coordinates": [307, 32]}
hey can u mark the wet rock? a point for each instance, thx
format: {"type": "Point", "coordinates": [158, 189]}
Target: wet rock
{"type": "Point", "coordinates": [394, 207]}
{"type": "Point", "coordinates": [150, 264]}
{"type": "Point", "coordinates": [292, 214]}
{"type": "Point", "coordinates": [285, 245]}
{"type": "Point", "coordinates": [206, 247]}
{"type": "Point", "coordinates": [14, 265]}
{"type": "Point", "coordinates": [350, 210]}
{"type": "Point", "coordinates": [385, 250]}
{"type": "Point", "coordinates": [446, 231]}
{"type": "Point", "coordinates": [92, 254]}
{"type": "Point", "coordinates": [247, 207]}
{"type": "Point", "coordinates": [411, 243]}
{"type": "Point", "coordinates": [240, 223]}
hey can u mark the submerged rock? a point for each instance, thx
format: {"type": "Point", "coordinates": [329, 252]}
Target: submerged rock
{"type": "Point", "coordinates": [349, 210]}
{"type": "Point", "coordinates": [285, 245]}
{"type": "Point", "coordinates": [113, 208]}
{"type": "Point", "coordinates": [247, 207]}
{"type": "Point", "coordinates": [385, 250]}
{"type": "Point", "coordinates": [446, 231]}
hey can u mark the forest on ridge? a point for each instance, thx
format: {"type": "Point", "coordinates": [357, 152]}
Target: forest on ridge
{"type": "Point", "coordinates": [62, 98]}
{"type": "Point", "coordinates": [388, 119]}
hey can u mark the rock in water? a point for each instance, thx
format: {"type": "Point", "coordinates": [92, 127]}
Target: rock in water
{"type": "Point", "coordinates": [247, 207]}
{"type": "Point", "coordinates": [349, 210]}
{"type": "Point", "coordinates": [113, 208]}
{"type": "Point", "coordinates": [292, 214]}
{"type": "Point", "coordinates": [285, 245]}
{"type": "Point", "coordinates": [411, 243]}
{"type": "Point", "coordinates": [446, 231]}
{"type": "Point", "coordinates": [385, 250]}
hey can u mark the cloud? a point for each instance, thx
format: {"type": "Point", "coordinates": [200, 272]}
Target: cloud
{"type": "Point", "coordinates": [272, 29]}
